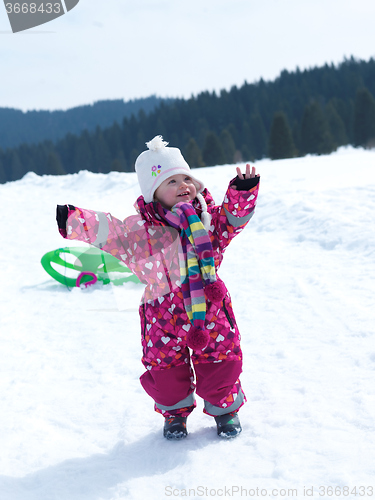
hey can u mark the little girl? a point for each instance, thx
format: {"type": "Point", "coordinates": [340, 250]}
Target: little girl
{"type": "Point", "coordinates": [174, 245]}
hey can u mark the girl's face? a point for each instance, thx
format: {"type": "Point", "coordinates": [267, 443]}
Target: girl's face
{"type": "Point", "coordinates": [177, 188]}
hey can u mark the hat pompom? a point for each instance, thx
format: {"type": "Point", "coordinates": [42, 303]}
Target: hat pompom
{"type": "Point", "coordinates": [156, 144]}
{"type": "Point", "coordinates": [215, 292]}
{"type": "Point", "coordinates": [197, 339]}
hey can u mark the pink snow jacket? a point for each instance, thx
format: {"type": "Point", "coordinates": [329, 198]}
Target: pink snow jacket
{"type": "Point", "coordinates": [149, 247]}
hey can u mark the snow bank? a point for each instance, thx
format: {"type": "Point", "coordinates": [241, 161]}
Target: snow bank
{"type": "Point", "coordinates": [75, 423]}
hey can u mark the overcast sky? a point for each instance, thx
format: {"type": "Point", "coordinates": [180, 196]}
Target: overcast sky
{"type": "Point", "coordinates": [125, 49]}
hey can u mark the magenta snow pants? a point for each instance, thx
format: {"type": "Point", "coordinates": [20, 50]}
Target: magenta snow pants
{"type": "Point", "coordinates": [174, 373]}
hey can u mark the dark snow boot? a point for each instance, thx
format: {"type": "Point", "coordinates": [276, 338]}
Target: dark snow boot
{"type": "Point", "coordinates": [228, 425]}
{"type": "Point", "coordinates": [175, 428]}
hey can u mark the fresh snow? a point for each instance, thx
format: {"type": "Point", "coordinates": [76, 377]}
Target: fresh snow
{"type": "Point", "coordinates": [75, 423]}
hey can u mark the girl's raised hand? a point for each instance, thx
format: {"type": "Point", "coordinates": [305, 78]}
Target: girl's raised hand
{"type": "Point", "coordinates": [248, 174]}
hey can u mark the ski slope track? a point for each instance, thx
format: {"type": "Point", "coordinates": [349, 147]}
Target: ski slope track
{"type": "Point", "coordinates": [75, 423]}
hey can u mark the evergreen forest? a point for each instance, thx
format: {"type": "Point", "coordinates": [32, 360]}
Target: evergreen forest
{"type": "Point", "coordinates": [313, 111]}
{"type": "Point", "coordinates": [30, 127]}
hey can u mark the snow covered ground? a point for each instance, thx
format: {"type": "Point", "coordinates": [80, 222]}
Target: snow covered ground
{"type": "Point", "coordinates": [75, 423]}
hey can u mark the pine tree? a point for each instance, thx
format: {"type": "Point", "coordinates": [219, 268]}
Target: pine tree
{"type": "Point", "coordinates": [54, 166]}
{"type": "Point", "coordinates": [213, 153]}
{"type": "Point", "coordinates": [336, 125]}
{"type": "Point", "coordinates": [119, 163]}
{"type": "Point", "coordinates": [315, 135]}
{"type": "Point", "coordinates": [281, 143]}
{"type": "Point", "coordinates": [247, 154]}
{"type": "Point", "coordinates": [160, 129]}
{"type": "Point", "coordinates": [40, 157]}
{"type": "Point", "coordinates": [134, 153]}
{"type": "Point", "coordinates": [116, 166]}
{"type": "Point", "coordinates": [26, 159]}
{"type": "Point", "coordinates": [83, 157]}
{"type": "Point", "coordinates": [3, 176]}
{"type": "Point", "coordinates": [228, 145]}
{"type": "Point", "coordinates": [235, 132]}
{"type": "Point", "coordinates": [113, 137]}
{"type": "Point", "coordinates": [364, 118]}
{"type": "Point", "coordinates": [16, 168]}
{"type": "Point", "coordinates": [202, 128]}
{"type": "Point", "coordinates": [296, 133]}
{"type": "Point", "coordinates": [247, 143]}
{"type": "Point", "coordinates": [345, 110]}
{"type": "Point", "coordinates": [193, 154]}
{"type": "Point", "coordinates": [259, 136]}
{"type": "Point", "coordinates": [102, 157]}
{"type": "Point", "coordinates": [66, 150]}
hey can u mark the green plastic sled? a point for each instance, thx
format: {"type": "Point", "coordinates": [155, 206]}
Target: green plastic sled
{"type": "Point", "coordinates": [92, 265]}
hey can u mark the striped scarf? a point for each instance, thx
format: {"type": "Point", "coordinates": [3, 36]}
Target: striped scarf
{"type": "Point", "coordinates": [197, 268]}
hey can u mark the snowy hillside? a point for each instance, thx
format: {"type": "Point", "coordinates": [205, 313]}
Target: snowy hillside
{"type": "Point", "coordinates": [75, 423]}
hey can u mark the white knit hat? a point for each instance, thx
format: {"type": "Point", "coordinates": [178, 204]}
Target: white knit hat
{"type": "Point", "coordinates": [157, 164]}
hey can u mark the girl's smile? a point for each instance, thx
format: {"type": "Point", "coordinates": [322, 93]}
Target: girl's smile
{"type": "Point", "coordinates": [177, 188]}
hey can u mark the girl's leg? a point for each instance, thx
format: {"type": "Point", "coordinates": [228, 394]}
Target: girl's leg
{"type": "Point", "coordinates": [219, 385]}
{"type": "Point", "coordinates": [172, 389]}
{"type": "Point", "coordinates": [218, 367]}
{"type": "Point", "coordinates": [169, 378]}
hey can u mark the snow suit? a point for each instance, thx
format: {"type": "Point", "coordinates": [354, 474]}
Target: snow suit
{"type": "Point", "coordinates": [149, 247]}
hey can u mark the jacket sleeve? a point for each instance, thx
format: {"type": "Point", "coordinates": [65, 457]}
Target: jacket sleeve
{"type": "Point", "coordinates": [99, 229]}
{"type": "Point", "coordinates": [232, 216]}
